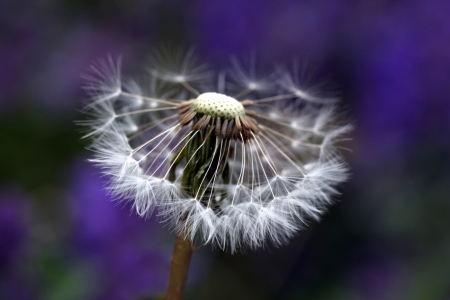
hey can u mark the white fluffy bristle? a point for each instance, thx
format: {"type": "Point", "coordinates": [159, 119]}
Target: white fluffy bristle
{"type": "Point", "coordinates": [218, 105]}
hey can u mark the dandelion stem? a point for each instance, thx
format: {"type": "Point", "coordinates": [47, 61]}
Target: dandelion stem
{"type": "Point", "coordinates": [179, 268]}
{"type": "Point", "coordinates": [191, 184]}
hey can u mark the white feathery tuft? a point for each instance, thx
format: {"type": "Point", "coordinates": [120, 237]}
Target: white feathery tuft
{"type": "Point", "coordinates": [233, 169]}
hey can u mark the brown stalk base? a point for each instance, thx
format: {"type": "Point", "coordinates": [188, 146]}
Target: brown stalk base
{"type": "Point", "coordinates": [179, 268]}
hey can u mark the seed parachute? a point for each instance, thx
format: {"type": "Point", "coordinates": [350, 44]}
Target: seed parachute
{"type": "Point", "coordinates": [231, 158]}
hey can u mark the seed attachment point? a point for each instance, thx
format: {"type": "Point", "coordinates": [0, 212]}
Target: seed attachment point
{"type": "Point", "coordinates": [218, 105]}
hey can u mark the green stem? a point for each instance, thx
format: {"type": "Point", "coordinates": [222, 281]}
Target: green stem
{"type": "Point", "coordinates": [179, 268]}
{"type": "Point", "coordinates": [190, 182]}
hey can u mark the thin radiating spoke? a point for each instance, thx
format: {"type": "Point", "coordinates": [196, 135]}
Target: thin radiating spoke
{"type": "Point", "coordinates": [190, 88]}
{"type": "Point", "coordinates": [169, 101]}
{"type": "Point", "coordinates": [275, 98]}
{"type": "Point", "coordinates": [144, 111]}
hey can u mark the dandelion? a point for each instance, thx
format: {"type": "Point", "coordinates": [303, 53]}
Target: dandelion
{"type": "Point", "coordinates": [234, 159]}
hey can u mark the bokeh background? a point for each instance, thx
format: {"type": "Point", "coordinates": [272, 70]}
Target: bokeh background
{"type": "Point", "coordinates": [388, 236]}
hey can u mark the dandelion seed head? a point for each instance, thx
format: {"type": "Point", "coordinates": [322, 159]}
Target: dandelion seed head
{"type": "Point", "coordinates": [230, 167]}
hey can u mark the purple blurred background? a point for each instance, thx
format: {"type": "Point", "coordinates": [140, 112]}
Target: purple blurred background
{"type": "Point", "coordinates": [387, 238]}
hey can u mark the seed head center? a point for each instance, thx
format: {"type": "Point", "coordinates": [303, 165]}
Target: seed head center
{"type": "Point", "coordinates": [218, 105]}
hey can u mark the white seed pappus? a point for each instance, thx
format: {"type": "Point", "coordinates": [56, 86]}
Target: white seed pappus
{"type": "Point", "coordinates": [234, 159]}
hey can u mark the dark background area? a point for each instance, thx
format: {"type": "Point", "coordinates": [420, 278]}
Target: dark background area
{"type": "Point", "coordinates": [388, 236]}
